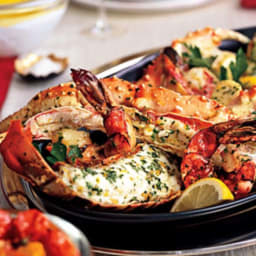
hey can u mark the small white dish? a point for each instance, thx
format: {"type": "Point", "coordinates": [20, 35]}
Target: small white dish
{"type": "Point", "coordinates": [24, 25]}
{"type": "Point", "coordinates": [146, 5]}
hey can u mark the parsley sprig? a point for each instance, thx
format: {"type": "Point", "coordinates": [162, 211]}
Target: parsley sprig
{"type": "Point", "coordinates": [240, 66]}
{"type": "Point", "coordinates": [195, 58]}
{"type": "Point", "coordinates": [58, 152]}
{"type": "Point", "coordinates": [223, 73]}
{"type": "Point", "coordinates": [74, 153]}
{"type": "Point", "coordinates": [237, 68]}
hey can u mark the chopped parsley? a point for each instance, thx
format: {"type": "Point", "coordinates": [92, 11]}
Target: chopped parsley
{"type": "Point", "coordinates": [90, 171]}
{"type": "Point", "coordinates": [187, 127]}
{"type": "Point", "coordinates": [155, 132]}
{"type": "Point", "coordinates": [111, 176]}
{"type": "Point", "coordinates": [74, 178]}
{"type": "Point", "coordinates": [134, 199]}
{"type": "Point", "coordinates": [162, 139]}
{"type": "Point", "coordinates": [74, 153]}
{"type": "Point", "coordinates": [58, 152]}
{"type": "Point", "coordinates": [142, 118]}
{"type": "Point", "coordinates": [93, 189]}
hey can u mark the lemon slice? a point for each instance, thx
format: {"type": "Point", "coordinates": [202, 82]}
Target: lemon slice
{"type": "Point", "coordinates": [248, 81]}
{"type": "Point", "coordinates": [203, 193]}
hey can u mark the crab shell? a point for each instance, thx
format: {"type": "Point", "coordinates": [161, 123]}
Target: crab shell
{"type": "Point", "coordinates": [22, 157]}
{"type": "Point", "coordinates": [68, 95]}
{"type": "Point", "coordinates": [208, 40]}
{"type": "Point", "coordinates": [58, 96]}
{"type": "Point", "coordinates": [164, 73]}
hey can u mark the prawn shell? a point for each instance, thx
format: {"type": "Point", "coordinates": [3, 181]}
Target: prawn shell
{"type": "Point", "coordinates": [23, 158]}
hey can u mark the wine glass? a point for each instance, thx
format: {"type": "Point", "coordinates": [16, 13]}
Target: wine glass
{"type": "Point", "coordinates": [102, 26]}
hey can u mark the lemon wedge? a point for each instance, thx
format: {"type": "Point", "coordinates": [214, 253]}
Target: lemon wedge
{"type": "Point", "coordinates": [203, 193]}
{"type": "Point", "coordinates": [248, 81]}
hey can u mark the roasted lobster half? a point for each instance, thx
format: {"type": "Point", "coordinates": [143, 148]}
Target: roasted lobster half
{"type": "Point", "coordinates": [55, 151]}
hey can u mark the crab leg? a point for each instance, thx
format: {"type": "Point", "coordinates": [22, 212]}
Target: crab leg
{"type": "Point", "coordinates": [169, 131]}
{"type": "Point", "coordinates": [163, 72]}
{"type": "Point", "coordinates": [58, 96]}
{"type": "Point", "coordinates": [207, 40]}
{"type": "Point", "coordinates": [162, 100]}
{"type": "Point", "coordinates": [169, 71]}
{"type": "Point", "coordinates": [45, 124]}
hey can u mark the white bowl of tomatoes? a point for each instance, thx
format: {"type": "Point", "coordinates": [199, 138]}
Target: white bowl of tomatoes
{"type": "Point", "coordinates": [33, 233]}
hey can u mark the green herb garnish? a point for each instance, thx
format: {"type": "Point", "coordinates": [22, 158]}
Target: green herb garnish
{"type": "Point", "coordinates": [223, 73]}
{"type": "Point", "coordinates": [111, 176]}
{"type": "Point", "coordinates": [90, 171]}
{"type": "Point", "coordinates": [142, 118]}
{"type": "Point", "coordinates": [58, 152]}
{"type": "Point", "coordinates": [195, 58]}
{"type": "Point", "coordinates": [74, 153]}
{"type": "Point", "coordinates": [240, 66]}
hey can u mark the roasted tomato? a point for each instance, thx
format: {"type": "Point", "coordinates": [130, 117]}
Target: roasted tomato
{"type": "Point", "coordinates": [30, 233]}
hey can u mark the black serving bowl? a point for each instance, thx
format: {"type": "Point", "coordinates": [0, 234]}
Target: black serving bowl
{"type": "Point", "coordinates": [158, 229]}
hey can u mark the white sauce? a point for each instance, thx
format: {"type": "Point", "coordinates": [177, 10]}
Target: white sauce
{"type": "Point", "coordinates": [146, 176]}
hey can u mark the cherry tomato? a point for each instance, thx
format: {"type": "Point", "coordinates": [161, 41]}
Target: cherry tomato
{"type": "Point", "coordinates": [5, 223]}
{"type": "Point", "coordinates": [32, 225]}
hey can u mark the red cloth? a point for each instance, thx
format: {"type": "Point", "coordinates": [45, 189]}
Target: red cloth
{"type": "Point", "coordinates": [248, 3]}
{"type": "Point", "coordinates": [6, 72]}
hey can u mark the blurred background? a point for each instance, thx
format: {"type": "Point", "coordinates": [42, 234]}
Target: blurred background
{"type": "Point", "coordinates": [90, 33]}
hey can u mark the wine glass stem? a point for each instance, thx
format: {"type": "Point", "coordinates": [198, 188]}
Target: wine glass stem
{"type": "Point", "coordinates": [102, 22]}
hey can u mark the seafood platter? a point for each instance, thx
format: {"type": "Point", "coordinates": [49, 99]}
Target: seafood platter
{"type": "Point", "coordinates": [156, 155]}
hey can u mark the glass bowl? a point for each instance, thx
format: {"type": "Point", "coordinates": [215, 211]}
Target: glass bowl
{"type": "Point", "coordinates": [75, 235]}
{"type": "Point", "coordinates": [24, 24]}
